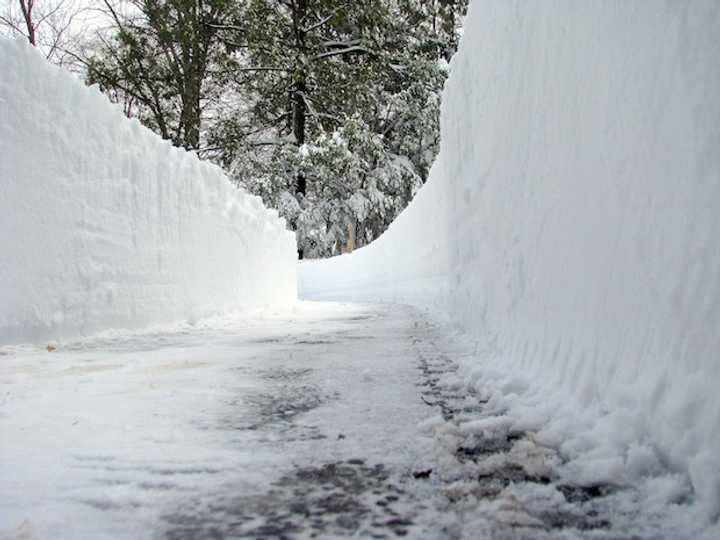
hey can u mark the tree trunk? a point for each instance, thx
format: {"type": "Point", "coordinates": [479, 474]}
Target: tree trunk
{"type": "Point", "coordinates": [299, 107]}
{"type": "Point", "coordinates": [300, 86]}
{"type": "Point", "coordinates": [299, 112]}
{"type": "Point", "coordinates": [191, 110]}
{"type": "Point", "coordinates": [26, 6]}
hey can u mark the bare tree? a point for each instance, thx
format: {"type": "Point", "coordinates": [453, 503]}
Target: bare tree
{"type": "Point", "coordinates": [45, 23]}
{"type": "Point", "coordinates": [26, 6]}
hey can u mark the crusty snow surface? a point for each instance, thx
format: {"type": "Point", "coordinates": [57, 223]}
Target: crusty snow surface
{"type": "Point", "coordinates": [332, 420]}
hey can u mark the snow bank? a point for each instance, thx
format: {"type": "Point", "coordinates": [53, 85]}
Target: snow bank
{"type": "Point", "coordinates": [105, 225]}
{"type": "Point", "coordinates": [571, 226]}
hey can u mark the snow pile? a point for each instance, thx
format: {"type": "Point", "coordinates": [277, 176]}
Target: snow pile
{"type": "Point", "coordinates": [571, 227]}
{"type": "Point", "coordinates": [407, 264]}
{"type": "Point", "coordinates": [105, 225]}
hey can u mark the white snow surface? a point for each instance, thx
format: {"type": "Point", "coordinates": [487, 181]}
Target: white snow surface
{"type": "Point", "coordinates": [180, 431]}
{"type": "Point", "coordinates": [570, 226]}
{"type": "Point", "coordinates": [105, 225]}
{"type": "Point", "coordinates": [302, 423]}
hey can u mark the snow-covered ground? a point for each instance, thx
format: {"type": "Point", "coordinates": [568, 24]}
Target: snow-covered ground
{"type": "Point", "coordinates": [333, 420]}
{"type": "Point", "coordinates": [570, 227]}
{"type": "Point", "coordinates": [137, 436]}
{"type": "Point", "coordinates": [105, 225]}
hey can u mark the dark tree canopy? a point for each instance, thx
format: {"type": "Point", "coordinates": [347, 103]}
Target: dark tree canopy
{"type": "Point", "coordinates": [327, 109]}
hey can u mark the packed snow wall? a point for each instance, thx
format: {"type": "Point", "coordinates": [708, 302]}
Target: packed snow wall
{"type": "Point", "coordinates": [571, 226]}
{"type": "Point", "coordinates": [105, 225]}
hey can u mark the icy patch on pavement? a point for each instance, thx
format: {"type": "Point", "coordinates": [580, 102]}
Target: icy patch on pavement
{"type": "Point", "coordinates": [127, 437]}
{"type": "Point", "coordinates": [338, 499]}
{"type": "Point", "coordinates": [329, 421]}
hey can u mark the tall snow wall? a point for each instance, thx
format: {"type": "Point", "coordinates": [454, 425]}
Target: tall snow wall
{"type": "Point", "coordinates": [105, 225]}
{"type": "Point", "coordinates": [571, 225]}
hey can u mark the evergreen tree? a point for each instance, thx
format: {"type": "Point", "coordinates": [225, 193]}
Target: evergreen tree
{"type": "Point", "coordinates": [336, 79]}
{"type": "Point", "coordinates": [327, 109]}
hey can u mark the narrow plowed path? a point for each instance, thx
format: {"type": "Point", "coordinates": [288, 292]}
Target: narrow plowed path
{"type": "Point", "coordinates": [329, 421]}
{"type": "Point", "coordinates": [287, 425]}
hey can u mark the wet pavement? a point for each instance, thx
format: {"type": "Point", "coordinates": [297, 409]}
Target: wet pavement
{"type": "Point", "coordinates": [297, 425]}
{"type": "Point", "coordinates": [333, 421]}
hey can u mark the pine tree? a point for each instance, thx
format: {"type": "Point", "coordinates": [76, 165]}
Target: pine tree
{"type": "Point", "coordinates": [357, 83]}
{"type": "Point", "coordinates": [327, 109]}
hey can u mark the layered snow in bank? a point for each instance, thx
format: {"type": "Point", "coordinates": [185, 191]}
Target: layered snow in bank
{"type": "Point", "coordinates": [105, 225]}
{"type": "Point", "coordinates": [571, 226]}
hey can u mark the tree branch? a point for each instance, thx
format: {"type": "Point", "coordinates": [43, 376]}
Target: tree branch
{"type": "Point", "coordinates": [348, 50]}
